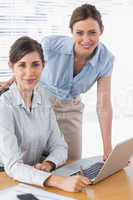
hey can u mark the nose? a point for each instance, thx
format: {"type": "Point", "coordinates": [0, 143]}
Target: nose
{"type": "Point", "coordinates": [86, 38]}
{"type": "Point", "coordinates": [29, 71]}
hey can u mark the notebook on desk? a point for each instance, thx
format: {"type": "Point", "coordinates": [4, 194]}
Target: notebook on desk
{"type": "Point", "coordinates": [98, 170]}
{"type": "Point", "coordinates": [12, 193]}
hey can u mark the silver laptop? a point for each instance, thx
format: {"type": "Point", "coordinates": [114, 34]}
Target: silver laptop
{"type": "Point", "coordinates": [95, 169]}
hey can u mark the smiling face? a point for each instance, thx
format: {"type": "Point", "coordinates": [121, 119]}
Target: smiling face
{"type": "Point", "coordinates": [86, 35]}
{"type": "Point", "coordinates": [27, 71]}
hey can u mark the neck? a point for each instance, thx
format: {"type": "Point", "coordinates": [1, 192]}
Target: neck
{"type": "Point", "coordinates": [77, 54]}
{"type": "Point", "coordinates": [27, 97]}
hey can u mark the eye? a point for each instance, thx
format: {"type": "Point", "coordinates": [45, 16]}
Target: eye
{"type": "Point", "coordinates": [92, 33]}
{"type": "Point", "coordinates": [36, 64]}
{"type": "Point", "coordinates": [80, 33]}
{"type": "Point", "coordinates": [22, 65]}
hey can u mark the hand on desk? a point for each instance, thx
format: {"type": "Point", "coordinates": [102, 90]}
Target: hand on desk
{"type": "Point", "coordinates": [68, 183]}
{"type": "Point", "coordinates": [45, 166]}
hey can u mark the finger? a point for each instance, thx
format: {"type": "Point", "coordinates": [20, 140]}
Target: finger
{"type": "Point", "coordinates": [104, 158]}
{"type": "Point", "coordinates": [45, 167]}
{"type": "Point", "coordinates": [79, 188]}
{"type": "Point", "coordinates": [41, 167]}
{"type": "Point", "coordinates": [84, 184]}
{"type": "Point", "coordinates": [85, 180]}
{"type": "Point", "coordinates": [38, 166]}
{"type": "Point", "coordinates": [3, 87]}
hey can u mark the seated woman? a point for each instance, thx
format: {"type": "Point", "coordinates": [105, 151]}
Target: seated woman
{"type": "Point", "coordinates": [28, 128]}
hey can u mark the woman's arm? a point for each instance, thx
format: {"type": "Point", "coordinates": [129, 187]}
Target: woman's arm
{"type": "Point", "coordinates": [104, 111]}
{"type": "Point", "coordinates": [68, 183]}
{"type": "Point", "coordinates": [57, 148]}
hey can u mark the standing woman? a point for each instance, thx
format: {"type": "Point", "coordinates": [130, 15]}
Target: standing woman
{"type": "Point", "coordinates": [73, 66]}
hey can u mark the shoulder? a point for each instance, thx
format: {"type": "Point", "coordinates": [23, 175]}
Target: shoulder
{"type": "Point", "coordinates": [6, 105]}
{"type": "Point", "coordinates": [105, 53]}
{"type": "Point", "coordinates": [105, 60]}
{"type": "Point", "coordinates": [57, 43]}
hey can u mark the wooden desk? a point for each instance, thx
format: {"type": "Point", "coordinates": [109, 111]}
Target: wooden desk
{"type": "Point", "coordinates": [116, 187]}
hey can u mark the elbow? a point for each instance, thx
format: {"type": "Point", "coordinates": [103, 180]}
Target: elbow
{"type": "Point", "coordinates": [13, 170]}
{"type": "Point", "coordinates": [65, 155]}
{"type": "Point", "coordinates": [65, 150]}
{"type": "Point", "coordinates": [9, 170]}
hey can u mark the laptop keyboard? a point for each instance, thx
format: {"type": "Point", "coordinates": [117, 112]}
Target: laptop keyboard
{"type": "Point", "coordinates": [93, 170]}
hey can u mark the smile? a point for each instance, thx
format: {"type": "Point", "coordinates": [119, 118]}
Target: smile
{"type": "Point", "coordinates": [30, 81]}
{"type": "Point", "coordinates": [86, 46]}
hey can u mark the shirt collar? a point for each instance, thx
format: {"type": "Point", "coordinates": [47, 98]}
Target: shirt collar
{"type": "Point", "coordinates": [95, 57]}
{"type": "Point", "coordinates": [69, 49]}
{"type": "Point", "coordinates": [19, 100]}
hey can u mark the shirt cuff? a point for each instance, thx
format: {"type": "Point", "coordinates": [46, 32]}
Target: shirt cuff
{"type": "Point", "coordinates": [39, 177]}
{"type": "Point", "coordinates": [56, 162]}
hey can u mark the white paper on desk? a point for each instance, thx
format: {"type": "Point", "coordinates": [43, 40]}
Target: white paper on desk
{"type": "Point", "coordinates": [10, 193]}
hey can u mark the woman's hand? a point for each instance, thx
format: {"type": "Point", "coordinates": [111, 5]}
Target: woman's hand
{"type": "Point", "coordinates": [3, 86]}
{"type": "Point", "coordinates": [68, 183]}
{"type": "Point", "coordinates": [45, 166]}
{"type": "Point", "coordinates": [6, 84]}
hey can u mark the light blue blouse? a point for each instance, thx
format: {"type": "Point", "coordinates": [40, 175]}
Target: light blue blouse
{"type": "Point", "coordinates": [26, 135]}
{"type": "Point", "coordinates": [58, 76]}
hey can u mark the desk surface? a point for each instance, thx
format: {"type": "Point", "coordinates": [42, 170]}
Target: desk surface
{"type": "Point", "coordinates": [116, 187]}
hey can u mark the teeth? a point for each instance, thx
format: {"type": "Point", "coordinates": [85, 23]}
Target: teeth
{"type": "Point", "coordinates": [87, 46]}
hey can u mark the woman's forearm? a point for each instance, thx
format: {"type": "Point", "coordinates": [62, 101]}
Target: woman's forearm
{"type": "Point", "coordinates": [105, 121]}
{"type": "Point", "coordinates": [67, 183]}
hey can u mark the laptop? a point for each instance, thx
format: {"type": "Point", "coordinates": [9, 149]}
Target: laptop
{"type": "Point", "coordinates": [97, 170]}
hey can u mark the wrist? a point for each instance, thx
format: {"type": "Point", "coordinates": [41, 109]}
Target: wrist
{"type": "Point", "coordinates": [53, 181]}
